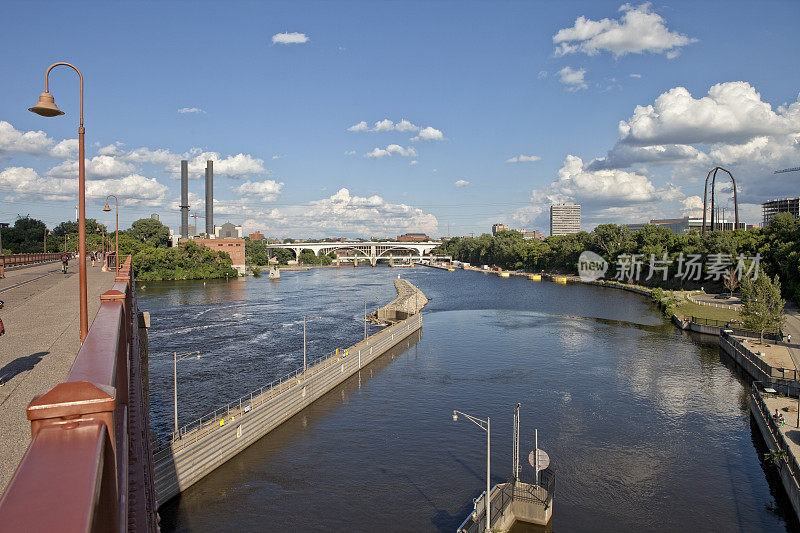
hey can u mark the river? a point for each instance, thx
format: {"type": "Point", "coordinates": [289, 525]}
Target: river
{"type": "Point", "coordinates": [647, 428]}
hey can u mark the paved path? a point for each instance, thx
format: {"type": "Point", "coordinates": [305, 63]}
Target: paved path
{"type": "Point", "coordinates": [40, 344]}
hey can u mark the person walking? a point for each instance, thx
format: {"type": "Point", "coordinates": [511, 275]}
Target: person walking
{"type": "Point", "coordinates": [92, 256]}
{"type": "Point", "coordinates": [64, 262]}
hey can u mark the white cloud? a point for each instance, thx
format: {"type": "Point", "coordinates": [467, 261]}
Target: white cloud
{"type": "Point", "coordinates": [404, 125]}
{"type": "Point", "coordinates": [289, 38]}
{"type": "Point", "coordinates": [98, 167]}
{"type": "Point", "coordinates": [361, 126]}
{"type": "Point", "coordinates": [428, 134]}
{"type": "Point", "coordinates": [384, 125]}
{"type": "Point", "coordinates": [462, 183]}
{"type": "Point", "coordinates": [638, 31]}
{"type": "Point", "coordinates": [13, 141]}
{"type": "Point", "coordinates": [634, 75]}
{"type": "Point", "coordinates": [131, 190]}
{"type": "Point", "coordinates": [350, 152]}
{"type": "Point", "coordinates": [523, 158]}
{"type": "Point", "coordinates": [266, 191]}
{"type": "Point", "coordinates": [624, 156]}
{"type": "Point", "coordinates": [572, 78]}
{"type": "Point", "coordinates": [414, 162]}
{"type": "Point", "coordinates": [542, 74]}
{"type": "Point", "coordinates": [378, 153]}
{"type": "Point", "coordinates": [191, 110]}
{"type": "Point", "coordinates": [160, 157]}
{"type": "Point", "coordinates": [692, 206]}
{"type": "Point", "coordinates": [733, 112]}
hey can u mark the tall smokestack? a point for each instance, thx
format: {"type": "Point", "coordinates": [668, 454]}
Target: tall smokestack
{"type": "Point", "coordinates": [184, 199]}
{"type": "Point", "coordinates": [209, 198]}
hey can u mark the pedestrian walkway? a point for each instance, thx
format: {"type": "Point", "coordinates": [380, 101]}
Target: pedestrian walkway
{"type": "Point", "coordinates": [41, 318]}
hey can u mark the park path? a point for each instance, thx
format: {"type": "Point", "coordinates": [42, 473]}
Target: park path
{"type": "Point", "coordinates": [41, 341]}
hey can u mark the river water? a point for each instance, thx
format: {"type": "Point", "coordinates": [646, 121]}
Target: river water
{"type": "Point", "coordinates": [647, 428]}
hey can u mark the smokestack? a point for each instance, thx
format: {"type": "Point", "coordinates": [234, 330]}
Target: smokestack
{"type": "Point", "coordinates": [184, 199]}
{"type": "Point", "coordinates": [209, 198]}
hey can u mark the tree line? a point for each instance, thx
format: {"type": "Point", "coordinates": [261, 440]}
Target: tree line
{"type": "Point", "coordinates": [778, 245]}
{"type": "Point", "coordinates": [147, 241]}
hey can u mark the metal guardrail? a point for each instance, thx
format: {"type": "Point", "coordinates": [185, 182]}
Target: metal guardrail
{"type": "Point", "coordinates": [200, 427]}
{"type": "Point", "coordinates": [87, 466]}
{"type": "Point", "coordinates": [26, 259]}
{"type": "Point", "coordinates": [182, 463]}
{"type": "Point", "coordinates": [523, 489]}
{"type": "Point", "coordinates": [780, 440]}
{"type": "Point", "coordinates": [732, 325]}
{"type": "Point", "coordinates": [776, 376]}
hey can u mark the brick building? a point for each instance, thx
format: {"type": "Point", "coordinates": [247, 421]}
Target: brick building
{"type": "Point", "coordinates": [413, 237]}
{"type": "Point", "coordinates": [256, 236]}
{"type": "Point", "coordinates": [232, 247]}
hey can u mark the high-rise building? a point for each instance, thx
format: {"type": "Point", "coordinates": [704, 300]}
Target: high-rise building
{"type": "Point", "coordinates": [783, 205]}
{"type": "Point", "coordinates": [497, 228]}
{"type": "Point", "coordinates": [565, 219]}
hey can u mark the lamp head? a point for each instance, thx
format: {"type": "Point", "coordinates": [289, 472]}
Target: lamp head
{"type": "Point", "coordinates": [455, 417]}
{"type": "Point", "coordinates": [46, 106]}
{"type": "Point", "coordinates": [106, 208]}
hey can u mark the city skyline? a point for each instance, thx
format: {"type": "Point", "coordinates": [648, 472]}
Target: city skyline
{"type": "Point", "coordinates": [353, 122]}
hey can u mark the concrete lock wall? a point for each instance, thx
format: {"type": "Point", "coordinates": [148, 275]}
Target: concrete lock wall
{"type": "Point", "coordinates": [787, 480]}
{"type": "Point", "coordinates": [187, 460]}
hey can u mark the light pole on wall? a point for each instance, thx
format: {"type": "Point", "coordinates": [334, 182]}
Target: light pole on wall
{"type": "Point", "coordinates": [116, 211]}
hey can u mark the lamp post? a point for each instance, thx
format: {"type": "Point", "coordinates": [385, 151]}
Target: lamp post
{"type": "Point", "coordinates": [46, 233]}
{"type": "Point", "coordinates": [305, 319]}
{"type": "Point", "coordinates": [486, 426]}
{"type": "Point", "coordinates": [46, 107]}
{"type": "Point", "coordinates": [175, 358]}
{"type": "Point", "coordinates": [365, 315]}
{"type": "Point", "coordinates": [116, 212]}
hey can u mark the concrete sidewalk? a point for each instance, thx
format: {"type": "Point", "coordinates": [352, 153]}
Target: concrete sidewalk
{"type": "Point", "coordinates": [41, 341]}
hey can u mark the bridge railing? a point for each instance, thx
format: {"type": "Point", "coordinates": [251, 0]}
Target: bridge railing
{"type": "Point", "coordinates": [79, 472]}
{"type": "Point", "coordinates": [9, 260]}
{"type": "Point", "coordinates": [198, 428]}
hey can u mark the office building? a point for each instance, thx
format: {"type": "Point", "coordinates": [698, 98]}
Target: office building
{"type": "Point", "coordinates": [227, 231]}
{"type": "Point", "coordinates": [497, 228]}
{"type": "Point", "coordinates": [565, 219]}
{"type": "Point", "coordinates": [782, 205]}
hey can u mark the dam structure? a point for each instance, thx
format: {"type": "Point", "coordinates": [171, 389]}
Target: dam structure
{"type": "Point", "coordinates": [198, 448]}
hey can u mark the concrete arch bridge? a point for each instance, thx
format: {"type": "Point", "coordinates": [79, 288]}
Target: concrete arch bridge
{"type": "Point", "coordinates": [366, 251]}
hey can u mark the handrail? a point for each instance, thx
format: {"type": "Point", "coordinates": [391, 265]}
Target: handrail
{"type": "Point", "coordinates": [75, 473]}
{"type": "Point", "coordinates": [8, 260]}
{"type": "Point", "coordinates": [780, 440]}
{"type": "Point", "coordinates": [267, 392]}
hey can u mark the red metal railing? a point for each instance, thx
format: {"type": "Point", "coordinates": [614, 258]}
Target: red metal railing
{"type": "Point", "coordinates": [88, 466]}
{"type": "Point", "coordinates": [27, 259]}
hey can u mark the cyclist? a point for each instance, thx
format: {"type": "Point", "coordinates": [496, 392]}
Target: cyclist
{"type": "Point", "coordinates": [64, 262]}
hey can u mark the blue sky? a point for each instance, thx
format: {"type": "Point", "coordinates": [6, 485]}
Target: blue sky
{"type": "Point", "coordinates": [478, 83]}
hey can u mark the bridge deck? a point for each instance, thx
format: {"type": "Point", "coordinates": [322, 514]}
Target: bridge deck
{"type": "Point", "coordinates": [40, 344]}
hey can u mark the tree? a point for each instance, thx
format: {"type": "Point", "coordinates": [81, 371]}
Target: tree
{"type": "Point", "coordinates": [150, 231]}
{"type": "Point", "coordinates": [731, 281]}
{"type": "Point", "coordinates": [762, 306]}
{"type": "Point", "coordinates": [25, 236]}
{"type": "Point", "coordinates": [70, 227]}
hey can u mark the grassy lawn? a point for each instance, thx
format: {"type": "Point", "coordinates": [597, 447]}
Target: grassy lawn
{"type": "Point", "coordinates": [688, 309]}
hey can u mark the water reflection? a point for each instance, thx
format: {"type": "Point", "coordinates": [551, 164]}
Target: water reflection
{"type": "Point", "coordinates": [647, 429]}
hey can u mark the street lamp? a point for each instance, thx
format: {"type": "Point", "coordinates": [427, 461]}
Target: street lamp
{"type": "Point", "coordinates": [116, 212]}
{"type": "Point", "coordinates": [179, 357]}
{"type": "Point", "coordinates": [365, 315]}
{"type": "Point", "coordinates": [486, 426]}
{"type": "Point", "coordinates": [46, 233]}
{"type": "Point", "coordinates": [46, 107]}
{"type": "Point", "coordinates": [305, 319]}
